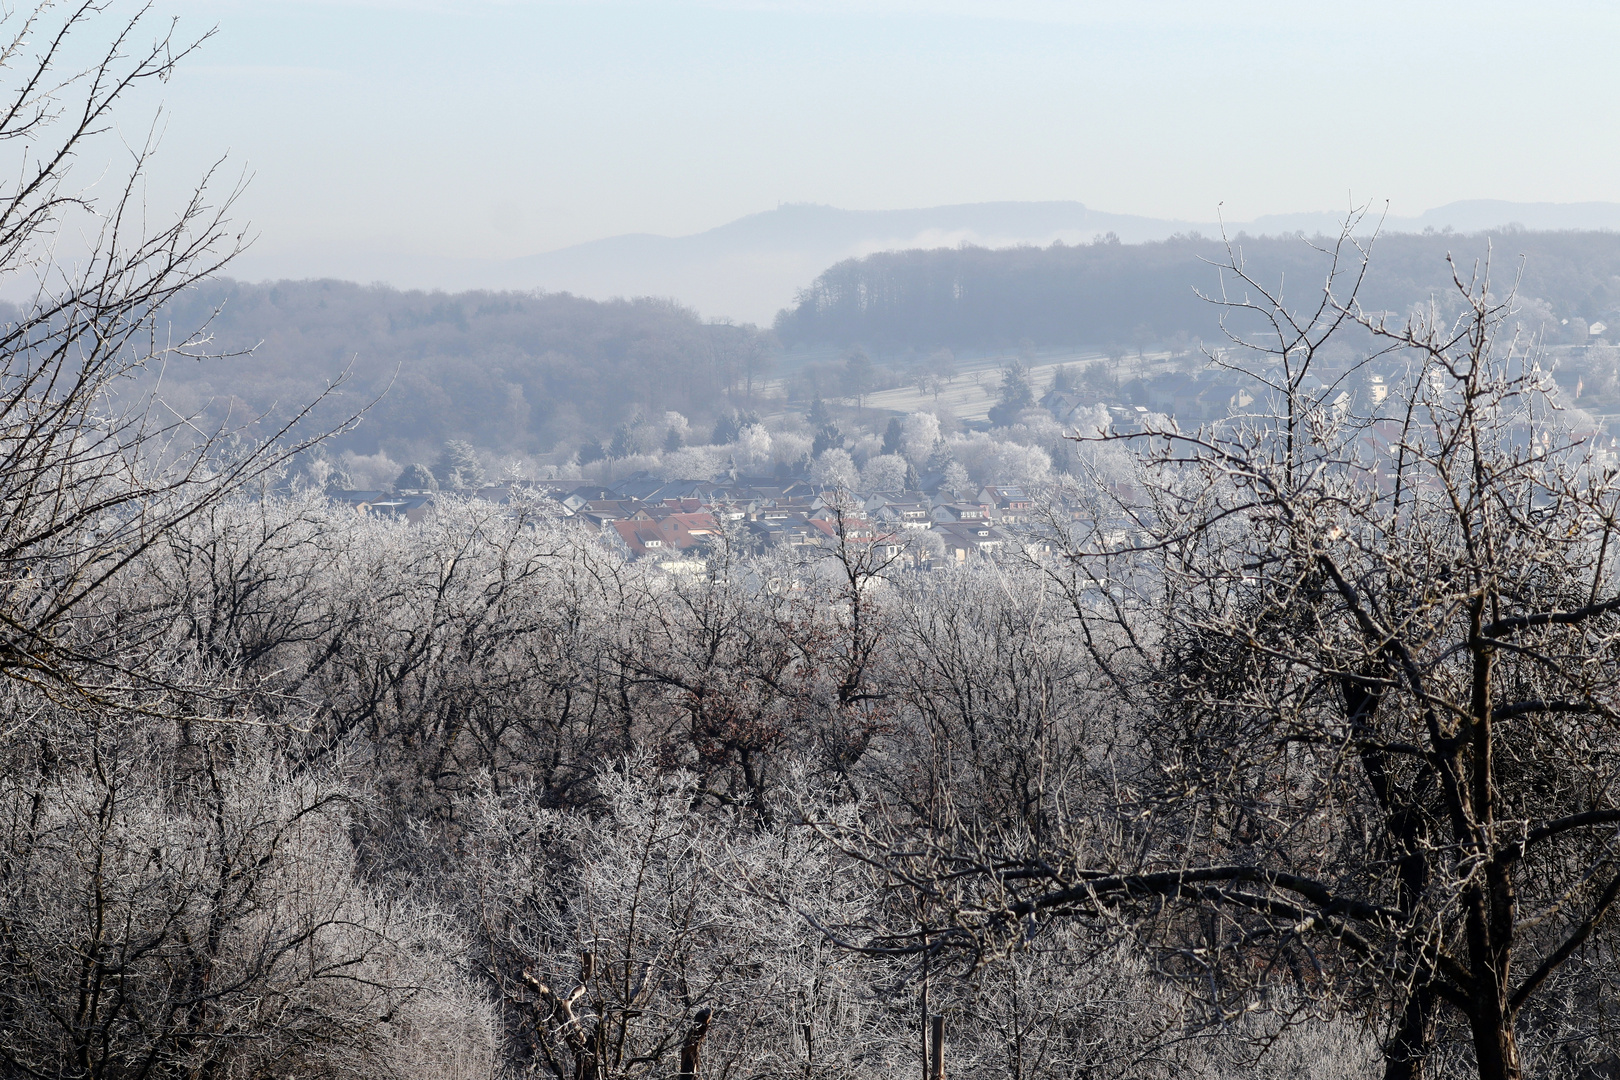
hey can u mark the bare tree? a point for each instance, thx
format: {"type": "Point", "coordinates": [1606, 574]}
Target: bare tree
{"type": "Point", "coordinates": [93, 470]}
{"type": "Point", "coordinates": [1372, 662]}
{"type": "Point", "coordinates": [724, 656]}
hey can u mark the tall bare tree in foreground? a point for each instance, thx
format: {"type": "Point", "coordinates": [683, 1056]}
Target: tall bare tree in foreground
{"type": "Point", "coordinates": [91, 471]}
{"type": "Point", "coordinates": [1374, 662]}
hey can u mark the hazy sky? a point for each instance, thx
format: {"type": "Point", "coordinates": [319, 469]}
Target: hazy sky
{"type": "Point", "coordinates": [504, 128]}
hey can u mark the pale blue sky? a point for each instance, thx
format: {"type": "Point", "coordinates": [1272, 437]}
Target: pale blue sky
{"type": "Point", "coordinates": [490, 129]}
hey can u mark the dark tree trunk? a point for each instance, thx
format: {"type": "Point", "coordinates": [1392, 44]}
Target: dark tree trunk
{"type": "Point", "coordinates": [691, 1048]}
{"type": "Point", "coordinates": [1495, 1046]}
{"type": "Point", "coordinates": [1406, 1057]}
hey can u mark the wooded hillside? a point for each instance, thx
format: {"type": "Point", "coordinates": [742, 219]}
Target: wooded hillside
{"type": "Point", "coordinates": [509, 372]}
{"type": "Point", "coordinates": [1134, 295]}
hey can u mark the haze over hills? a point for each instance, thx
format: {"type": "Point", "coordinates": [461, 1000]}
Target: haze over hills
{"type": "Point", "coordinates": [751, 268]}
{"type": "Point", "coordinates": [541, 376]}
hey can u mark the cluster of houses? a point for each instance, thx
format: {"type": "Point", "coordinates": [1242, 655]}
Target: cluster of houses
{"type": "Point", "coordinates": [661, 520]}
{"type": "Point", "coordinates": [669, 520]}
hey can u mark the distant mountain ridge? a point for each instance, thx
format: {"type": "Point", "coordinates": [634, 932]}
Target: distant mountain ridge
{"type": "Point", "coordinates": [1467, 216]}
{"type": "Point", "coordinates": [750, 268]}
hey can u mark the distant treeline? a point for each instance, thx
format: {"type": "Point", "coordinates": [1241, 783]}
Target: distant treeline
{"type": "Point", "coordinates": [509, 372]}
{"type": "Point", "coordinates": [1110, 294]}
{"type": "Point", "coordinates": [533, 374]}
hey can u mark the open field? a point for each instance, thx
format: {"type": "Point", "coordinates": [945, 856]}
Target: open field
{"type": "Point", "coordinates": [969, 395]}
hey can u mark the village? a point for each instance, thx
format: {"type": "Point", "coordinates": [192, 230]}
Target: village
{"type": "Point", "coordinates": [674, 523]}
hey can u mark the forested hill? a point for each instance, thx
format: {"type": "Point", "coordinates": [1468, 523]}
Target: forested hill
{"type": "Point", "coordinates": [1111, 294]}
{"type": "Point", "coordinates": [510, 372]}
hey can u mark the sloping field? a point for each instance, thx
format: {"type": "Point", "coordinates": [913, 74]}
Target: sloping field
{"type": "Point", "coordinates": [970, 394]}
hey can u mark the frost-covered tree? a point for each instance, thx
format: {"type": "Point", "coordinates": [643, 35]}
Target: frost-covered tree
{"type": "Point", "coordinates": [417, 477]}
{"type": "Point", "coordinates": [93, 469]}
{"type": "Point", "coordinates": [834, 468]}
{"type": "Point", "coordinates": [190, 906]}
{"type": "Point", "coordinates": [459, 467]}
{"type": "Point", "coordinates": [615, 938]}
{"type": "Point", "coordinates": [885, 473]}
{"type": "Point", "coordinates": [919, 436]}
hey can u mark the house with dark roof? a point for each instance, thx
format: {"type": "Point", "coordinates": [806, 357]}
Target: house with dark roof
{"type": "Point", "coordinates": [587, 493]}
{"type": "Point", "coordinates": [971, 538]}
{"type": "Point", "coordinates": [1009, 505]}
{"type": "Point", "coordinates": [948, 513]}
{"type": "Point", "coordinates": [790, 527]}
{"type": "Point", "coordinates": [897, 512]}
{"type": "Point", "coordinates": [641, 486]}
